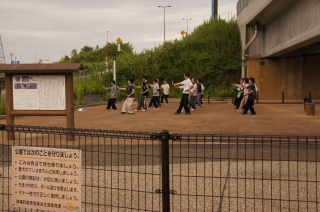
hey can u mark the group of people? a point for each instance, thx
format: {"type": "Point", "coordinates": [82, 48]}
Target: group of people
{"type": "Point", "coordinates": [247, 92]}
{"type": "Point", "coordinates": [191, 87]}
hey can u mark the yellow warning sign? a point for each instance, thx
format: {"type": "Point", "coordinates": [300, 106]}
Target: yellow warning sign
{"type": "Point", "coordinates": [183, 32]}
{"type": "Point", "coordinates": [119, 40]}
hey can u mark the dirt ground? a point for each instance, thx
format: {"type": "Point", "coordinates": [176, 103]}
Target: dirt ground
{"type": "Point", "coordinates": [213, 118]}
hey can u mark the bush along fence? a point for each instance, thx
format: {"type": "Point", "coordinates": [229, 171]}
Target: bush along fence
{"type": "Point", "coordinates": [129, 171]}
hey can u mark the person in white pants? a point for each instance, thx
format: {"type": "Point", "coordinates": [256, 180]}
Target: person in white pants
{"type": "Point", "coordinates": [126, 108]}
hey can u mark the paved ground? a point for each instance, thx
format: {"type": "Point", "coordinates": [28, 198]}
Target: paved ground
{"type": "Point", "coordinates": [216, 117]}
{"type": "Point", "coordinates": [206, 177]}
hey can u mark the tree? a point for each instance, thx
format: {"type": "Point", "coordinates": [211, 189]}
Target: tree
{"type": "Point", "coordinates": [86, 49]}
{"type": "Point", "coordinates": [74, 53]}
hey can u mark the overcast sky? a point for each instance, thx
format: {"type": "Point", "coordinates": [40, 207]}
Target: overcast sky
{"type": "Point", "coordinates": [42, 29]}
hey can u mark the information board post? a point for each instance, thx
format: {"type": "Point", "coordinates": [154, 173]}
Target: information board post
{"type": "Point", "coordinates": [69, 104]}
{"type": "Point", "coordinates": [9, 104]}
{"type": "Point", "coordinates": [40, 90]}
{"type": "Point", "coordinates": [114, 69]}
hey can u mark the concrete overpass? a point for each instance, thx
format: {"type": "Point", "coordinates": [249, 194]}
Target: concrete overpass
{"type": "Point", "coordinates": [286, 51]}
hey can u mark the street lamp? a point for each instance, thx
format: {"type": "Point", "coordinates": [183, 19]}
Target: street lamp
{"type": "Point", "coordinates": [187, 19]}
{"type": "Point", "coordinates": [48, 57]}
{"type": "Point", "coordinates": [154, 41]}
{"type": "Point", "coordinates": [107, 37]}
{"type": "Point", "coordinates": [11, 54]}
{"type": "Point", "coordinates": [62, 50]}
{"type": "Point", "coordinates": [164, 12]}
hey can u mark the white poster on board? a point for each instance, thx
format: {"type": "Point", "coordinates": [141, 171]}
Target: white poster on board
{"type": "Point", "coordinates": [39, 92]}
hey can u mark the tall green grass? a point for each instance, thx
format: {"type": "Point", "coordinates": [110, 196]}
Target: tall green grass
{"type": "Point", "coordinates": [2, 105]}
{"type": "Point", "coordinates": [212, 52]}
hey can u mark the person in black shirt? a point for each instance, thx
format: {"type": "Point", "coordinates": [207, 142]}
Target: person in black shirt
{"type": "Point", "coordinates": [144, 94]}
{"type": "Point", "coordinates": [199, 92]}
{"type": "Point", "coordinates": [126, 107]}
{"type": "Point", "coordinates": [251, 97]}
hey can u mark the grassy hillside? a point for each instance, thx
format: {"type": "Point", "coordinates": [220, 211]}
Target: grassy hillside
{"type": "Point", "coordinates": [212, 52]}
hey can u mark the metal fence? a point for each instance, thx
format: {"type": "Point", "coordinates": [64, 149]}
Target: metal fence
{"type": "Point", "coordinates": [134, 171]}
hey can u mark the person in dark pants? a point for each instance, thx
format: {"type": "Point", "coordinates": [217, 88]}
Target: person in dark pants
{"type": "Point", "coordinates": [193, 95]}
{"type": "Point", "coordinates": [251, 97]}
{"type": "Point", "coordinates": [239, 90]}
{"type": "Point", "coordinates": [199, 93]}
{"type": "Point", "coordinates": [158, 100]}
{"type": "Point", "coordinates": [144, 94]}
{"type": "Point", "coordinates": [186, 86]}
{"type": "Point", "coordinates": [155, 96]}
{"type": "Point", "coordinates": [166, 91]}
{"type": "Point", "coordinates": [113, 98]}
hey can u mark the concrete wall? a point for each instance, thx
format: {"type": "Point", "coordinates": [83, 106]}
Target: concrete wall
{"type": "Point", "coordinates": [295, 76]}
{"type": "Point", "coordinates": [244, 19]}
{"type": "Point", "coordinates": [296, 27]}
{"type": "Point", "coordinates": [289, 25]}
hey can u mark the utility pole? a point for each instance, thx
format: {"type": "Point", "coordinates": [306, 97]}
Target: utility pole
{"type": "Point", "coordinates": [164, 21]}
{"type": "Point", "coordinates": [62, 50]}
{"type": "Point", "coordinates": [154, 42]}
{"type": "Point", "coordinates": [187, 19]}
{"type": "Point", "coordinates": [2, 58]}
{"type": "Point", "coordinates": [11, 54]}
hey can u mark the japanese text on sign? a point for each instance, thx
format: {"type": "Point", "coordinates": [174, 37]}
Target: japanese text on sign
{"type": "Point", "coordinates": [39, 92]}
{"type": "Point", "coordinates": [46, 178]}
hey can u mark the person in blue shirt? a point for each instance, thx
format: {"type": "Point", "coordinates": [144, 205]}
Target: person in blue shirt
{"type": "Point", "coordinates": [126, 108]}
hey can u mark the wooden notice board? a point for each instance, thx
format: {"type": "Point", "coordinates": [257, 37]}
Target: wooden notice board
{"type": "Point", "coordinates": [40, 90]}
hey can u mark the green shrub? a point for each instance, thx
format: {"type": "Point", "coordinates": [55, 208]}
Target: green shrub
{"type": "Point", "coordinates": [222, 91]}
{"type": "Point", "coordinates": [2, 105]}
{"type": "Point", "coordinates": [80, 95]}
{"type": "Point", "coordinates": [212, 52]}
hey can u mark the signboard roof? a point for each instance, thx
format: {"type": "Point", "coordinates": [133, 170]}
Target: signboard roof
{"type": "Point", "coordinates": [41, 68]}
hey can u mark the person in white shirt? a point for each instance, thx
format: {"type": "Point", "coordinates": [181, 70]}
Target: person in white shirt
{"type": "Point", "coordinates": [187, 86]}
{"type": "Point", "coordinates": [193, 93]}
{"type": "Point", "coordinates": [199, 90]}
{"type": "Point", "coordinates": [155, 96]}
{"type": "Point", "coordinates": [166, 91]}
